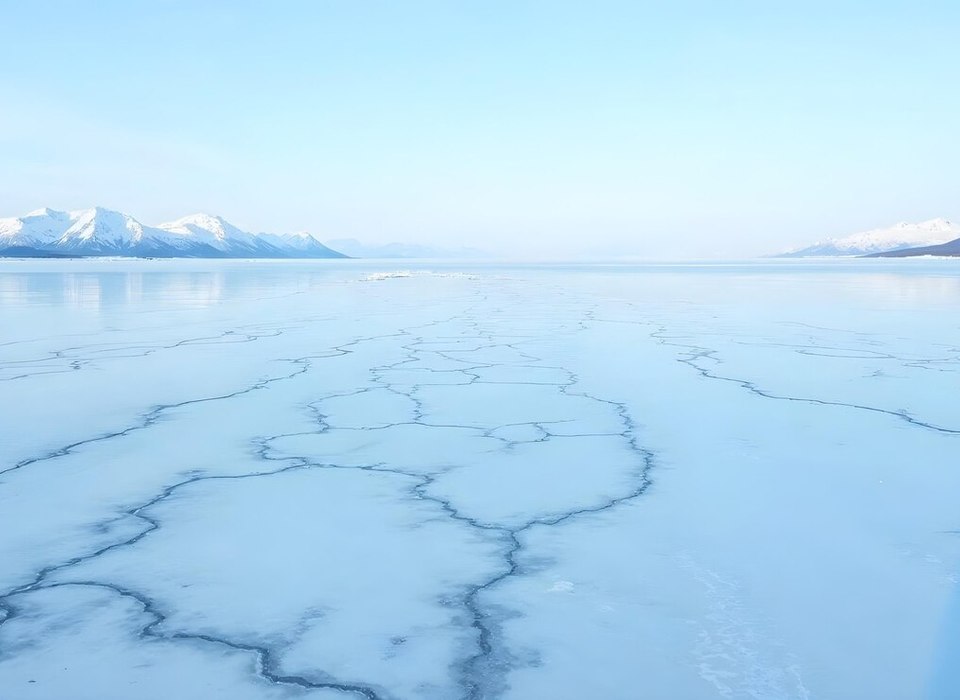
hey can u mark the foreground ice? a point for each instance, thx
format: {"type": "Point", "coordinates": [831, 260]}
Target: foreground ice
{"type": "Point", "coordinates": [241, 480]}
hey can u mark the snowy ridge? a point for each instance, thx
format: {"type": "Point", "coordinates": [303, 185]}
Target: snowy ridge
{"type": "Point", "coordinates": [898, 237]}
{"type": "Point", "coordinates": [101, 231]}
{"type": "Point", "coordinates": [300, 242]}
{"type": "Point", "coordinates": [38, 228]}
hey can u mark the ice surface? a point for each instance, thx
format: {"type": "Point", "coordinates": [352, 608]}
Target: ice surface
{"type": "Point", "coordinates": [83, 642]}
{"type": "Point", "coordinates": [255, 480]}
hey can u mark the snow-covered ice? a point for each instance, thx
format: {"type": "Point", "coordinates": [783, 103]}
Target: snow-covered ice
{"type": "Point", "coordinates": [226, 479]}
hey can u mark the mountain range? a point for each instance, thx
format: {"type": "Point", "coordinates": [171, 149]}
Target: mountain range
{"type": "Point", "coordinates": [50, 233]}
{"type": "Point", "coordinates": [103, 232]}
{"type": "Point", "coordinates": [934, 237]}
{"type": "Point", "coordinates": [950, 249]}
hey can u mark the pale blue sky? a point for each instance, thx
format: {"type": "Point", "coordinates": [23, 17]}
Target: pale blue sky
{"type": "Point", "coordinates": [668, 129]}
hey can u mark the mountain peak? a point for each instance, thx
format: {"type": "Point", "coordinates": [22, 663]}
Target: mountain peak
{"type": "Point", "coordinates": [101, 223]}
{"type": "Point", "coordinates": [210, 225]}
{"type": "Point", "coordinates": [202, 218]}
{"type": "Point", "coordinates": [45, 212]}
{"type": "Point", "coordinates": [97, 212]}
{"type": "Point", "coordinates": [897, 237]}
{"type": "Point", "coordinates": [938, 224]}
{"type": "Point", "coordinates": [103, 231]}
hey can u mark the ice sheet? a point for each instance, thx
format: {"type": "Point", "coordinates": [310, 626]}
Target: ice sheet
{"type": "Point", "coordinates": [234, 479]}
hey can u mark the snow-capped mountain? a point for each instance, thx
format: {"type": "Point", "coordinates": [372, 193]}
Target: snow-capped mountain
{"type": "Point", "coordinates": [302, 242]}
{"type": "Point", "coordinates": [34, 230]}
{"type": "Point", "coordinates": [882, 240]}
{"type": "Point", "coordinates": [100, 231]}
{"type": "Point", "coordinates": [950, 249]}
{"type": "Point", "coordinates": [222, 236]}
{"type": "Point", "coordinates": [95, 231]}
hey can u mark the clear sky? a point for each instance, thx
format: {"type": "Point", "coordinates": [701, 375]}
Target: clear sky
{"type": "Point", "coordinates": [661, 129]}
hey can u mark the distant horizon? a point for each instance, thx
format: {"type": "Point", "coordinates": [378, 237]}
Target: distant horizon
{"type": "Point", "coordinates": [468, 252]}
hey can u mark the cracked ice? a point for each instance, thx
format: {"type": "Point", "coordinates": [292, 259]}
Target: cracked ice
{"type": "Point", "coordinates": [252, 480]}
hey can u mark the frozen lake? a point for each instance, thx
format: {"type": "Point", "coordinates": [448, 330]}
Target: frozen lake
{"type": "Point", "coordinates": [383, 480]}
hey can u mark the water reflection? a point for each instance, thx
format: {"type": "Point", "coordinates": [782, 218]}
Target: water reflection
{"type": "Point", "coordinates": [81, 291]}
{"type": "Point", "coordinates": [95, 290]}
{"type": "Point", "coordinates": [96, 285]}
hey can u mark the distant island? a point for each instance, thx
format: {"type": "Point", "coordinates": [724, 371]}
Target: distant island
{"type": "Point", "coordinates": [935, 237]}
